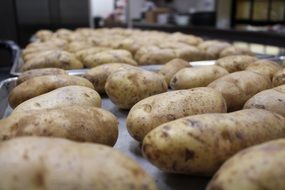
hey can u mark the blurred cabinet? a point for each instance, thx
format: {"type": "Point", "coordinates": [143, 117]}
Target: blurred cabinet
{"type": "Point", "coordinates": [20, 19]}
{"type": "Point", "coordinates": [258, 12]}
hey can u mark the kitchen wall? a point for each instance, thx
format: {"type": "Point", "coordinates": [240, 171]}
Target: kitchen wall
{"type": "Point", "coordinates": [102, 8]}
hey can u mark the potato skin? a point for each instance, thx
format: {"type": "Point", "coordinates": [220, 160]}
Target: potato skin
{"type": "Point", "coordinates": [98, 75]}
{"type": "Point", "coordinates": [64, 96]}
{"type": "Point", "coordinates": [39, 85]}
{"type": "Point", "coordinates": [196, 77]}
{"type": "Point", "coordinates": [235, 63]}
{"type": "Point", "coordinates": [127, 86]}
{"type": "Point", "coordinates": [53, 58]}
{"type": "Point", "coordinates": [156, 110]}
{"type": "Point", "coordinates": [272, 100]}
{"type": "Point", "coordinates": [84, 124]}
{"type": "Point", "coordinates": [54, 163]}
{"type": "Point", "coordinates": [264, 67]}
{"type": "Point", "coordinates": [279, 78]}
{"type": "Point", "coordinates": [199, 144]}
{"type": "Point", "coordinates": [234, 50]}
{"type": "Point", "coordinates": [109, 56]}
{"type": "Point", "coordinates": [39, 72]}
{"type": "Point", "coordinates": [238, 87]}
{"type": "Point", "coordinates": [257, 167]}
{"type": "Point", "coordinates": [172, 67]}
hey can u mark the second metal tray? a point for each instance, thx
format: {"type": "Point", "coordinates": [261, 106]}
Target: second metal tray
{"type": "Point", "coordinates": [125, 144]}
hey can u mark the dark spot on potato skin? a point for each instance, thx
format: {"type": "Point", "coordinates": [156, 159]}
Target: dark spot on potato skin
{"type": "Point", "coordinates": [259, 106]}
{"type": "Point", "coordinates": [197, 138]}
{"type": "Point", "coordinates": [164, 135]}
{"type": "Point", "coordinates": [226, 135]}
{"type": "Point", "coordinates": [189, 154]}
{"type": "Point", "coordinates": [39, 179]}
{"type": "Point", "coordinates": [279, 100]}
{"type": "Point", "coordinates": [239, 135]}
{"type": "Point", "coordinates": [147, 108]}
{"type": "Point", "coordinates": [174, 80]}
{"type": "Point", "coordinates": [166, 127]}
{"type": "Point", "coordinates": [87, 95]}
{"type": "Point", "coordinates": [194, 123]}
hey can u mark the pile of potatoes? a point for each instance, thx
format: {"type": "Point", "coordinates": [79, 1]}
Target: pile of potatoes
{"type": "Point", "coordinates": [87, 48]}
{"type": "Point", "coordinates": [59, 137]}
{"type": "Point", "coordinates": [220, 120]}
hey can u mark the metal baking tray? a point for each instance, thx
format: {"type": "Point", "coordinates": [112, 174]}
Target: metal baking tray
{"type": "Point", "coordinates": [125, 144]}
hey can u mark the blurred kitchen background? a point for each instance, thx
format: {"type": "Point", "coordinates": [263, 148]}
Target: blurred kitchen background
{"type": "Point", "coordinates": [258, 24]}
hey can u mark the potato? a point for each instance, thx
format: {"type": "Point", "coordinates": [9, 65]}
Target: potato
{"type": "Point", "coordinates": [43, 35]}
{"type": "Point", "coordinates": [54, 163]}
{"type": "Point", "coordinates": [76, 123]}
{"type": "Point", "coordinates": [75, 46]}
{"type": "Point", "coordinates": [82, 54]}
{"type": "Point", "coordinates": [98, 75]}
{"type": "Point", "coordinates": [213, 48]}
{"type": "Point", "coordinates": [238, 87]}
{"type": "Point", "coordinates": [39, 85]}
{"type": "Point", "coordinates": [272, 100]}
{"type": "Point", "coordinates": [264, 67]}
{"type": "Point", "coordinates": [233, 50]}
{"type": "Point", "coordinates": [172, 67]}
{"type": "Point", "coordinates": [198, 145]}
{"type": "Point", "coordinates": [235, 63]}
{"type": "Point", "coordinates": [279, 78]}
{"type": "Point", "coordinates": [127, 86]}
{"type": "Point", "coordinates": [185, 38]}
{"type": "Point", "coordinates": [54, 58]}
{"type": "Point", "coordinates": [257, 167]}
{"type": "Point", "coordinates": [153, 111]}
{"type": "Point", "coordinates": [196, 77]}
{"type": "Point", "coordinates": [39, 72]}
{"type": "Point", "coordinates": [109, 56]}
{"type": "Point", "coordinates": [64, 96]}
{"type": "Point", "coordinates": [148, 55]}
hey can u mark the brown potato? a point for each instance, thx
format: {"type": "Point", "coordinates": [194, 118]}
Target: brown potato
{"type": "Point", "coordinates": [172, 67]}
{"type": "Point", "coordinates": [238, 87]}
{"type": "Point", "coordinates": [196, 77]}
{"type": "Point", "coordinates": [82, 54]}
{"type": "Point", "coordinates": [98, 75]}
{"type": "Point", "coordinates": [264, 67]}
{"type": "Point", "coordinates": [61, 97]}
{"type": "Point", "coordinates": [109, 56]}
{"type": "Point", "coordinates": [127, 86]}
{"type": "Point", "coordinates": [148, 55]}
{"type": "Point", "coordinates": [39, 85]}
{"type": "Point", "coordinates": [198, 145]}
{"type": "Point", "coordinates": [39, 72]}
{"type": "Point", "coordinates": [43, 35]}
{"type": "Point", "coordinates": [54, 163]}
{"type": "Point", "coordinates": [54, 58]}
{"type": "Point", "coordinates": [233, 50]}
{"type": "Point", "coordinates": [84, 124]}
{"type": "Point", "coordinates": [155, 110]}
{"type": "Point", "coordinates": [212, 48]}
{"type": "Point", "coordinates": [279, 78]}
{"type": "Point", "coordinates": [76, 46]}
{"type": "Point", "coordinates": [235, 63]}
{"type": "Point", "coordinates": [257, 167]}
{"type": "Point", "coordinates": [272, 100]}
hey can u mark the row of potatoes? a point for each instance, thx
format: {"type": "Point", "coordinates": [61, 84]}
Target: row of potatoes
{"type": "Point", "coordinates": [87, 48]}
{"type": "Point", "coordinates": [183, 131]}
